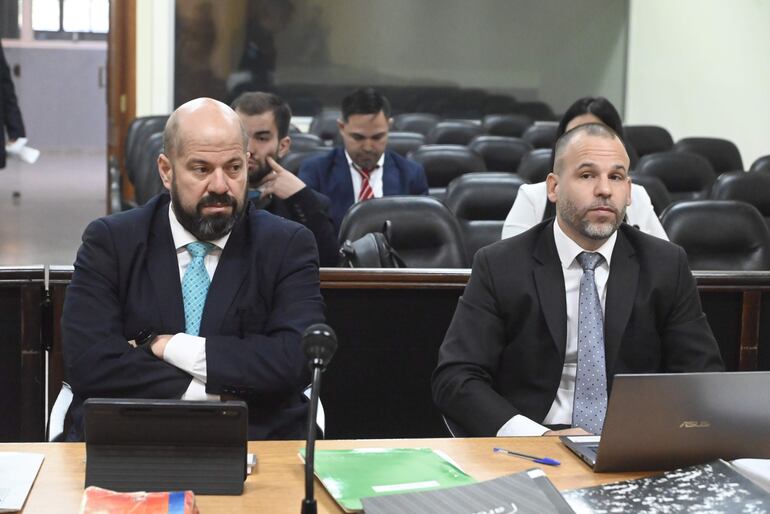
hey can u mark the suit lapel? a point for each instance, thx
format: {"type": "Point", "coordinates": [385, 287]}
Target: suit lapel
{"type": "Point", "coordinates": [390, 177]}
{"type": "Point", "coordinates": [549, 280]}
{"type": "Point", "coordinates": [229, 277]}
{"type": "Point", "coordinates": [621, 291]}
{"type": "Point", "coordinates": [163, 268]}
{"type": "Point", "coordinates": [342, 177]}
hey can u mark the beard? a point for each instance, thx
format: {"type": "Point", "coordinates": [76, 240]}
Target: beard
{"type": "Point", "coordinates": [258, 170]}
{"type": "Point", "coordinates": [212, 226]}
{"type": "Point", "coordinates": [576, 218]}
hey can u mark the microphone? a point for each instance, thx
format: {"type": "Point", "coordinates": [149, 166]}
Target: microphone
{"type": "Point", "coordinates": [319, 342]}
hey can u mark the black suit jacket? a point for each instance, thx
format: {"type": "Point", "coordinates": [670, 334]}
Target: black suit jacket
{"type": "Point", "coordinates": [10, 115]}
{"type": "Point", "coordinates": [504, 351]}
{"type": "Point", "coordinates": [263, 295]}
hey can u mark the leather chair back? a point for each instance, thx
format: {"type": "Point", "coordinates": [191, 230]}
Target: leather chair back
{"type": "Point", "coordinates": [656, 190]}
{"type": "Point", "coordinates": [423, 231]}
{"type": "Point", "coordinates": [444, 163]}
{"type": "Point", "coordinates": [535, 165]}
{"type": "Point", "coordinates": [404, 142]}
{"type": "Point", "coordinates": [647, 139]}
{"type": "Point", "coordinates": [292, 161]}
{"type": "Point", "coordinates": [500, 153]}
{"type": "Point", "coordinates": [510, 125]}
{"type": "Point", "coordinates": [453, 132]}
{"type": "Point", "coordinates": [751, 187]}
{"type": "Point", "coordinates": [541, 135]}
{"type": "Point", "coordinates": [324, 124]}
{"type": "Point", "coordinates": [304, 142]}
{"type": "Point", "coordinates": [421, 122]}
{"type": "Point", "coordinates": [146, 181]}
{"type": "Point", "coordinates": [721, 153]}
{"type": "Point", "coordinates": [687, 176]}
{"type": "Point", "coordinates": [761, 164]}
{"type": "Point", "coordinates": [139, 131]}
{"type": "Point", "coordinates": [538, 111]}
{"type": "Point", "coordinates": [719, 234]}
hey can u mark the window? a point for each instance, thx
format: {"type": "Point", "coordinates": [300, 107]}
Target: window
{"type": "Point", "coordinates": [70, 19]}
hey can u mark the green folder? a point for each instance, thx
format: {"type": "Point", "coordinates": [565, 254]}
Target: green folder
{"type": "Point", "coordinates": [350, 475]}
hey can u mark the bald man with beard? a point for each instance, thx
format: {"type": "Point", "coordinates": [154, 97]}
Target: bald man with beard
{"type": "Point", "coordinates": [196, 295]}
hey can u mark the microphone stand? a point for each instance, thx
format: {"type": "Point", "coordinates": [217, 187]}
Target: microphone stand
{"type": "Point", "coordinates": [309, 504]}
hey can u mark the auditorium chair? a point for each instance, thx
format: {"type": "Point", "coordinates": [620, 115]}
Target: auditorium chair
{"type": "Point", "coordinates": [145, 178]}
{"type": "Point", "coordinates": [687, 176]}
{"type": "Point", "coordinates": [139, 131]}
{"type": "Point", "coordinates": [510, 125]}
{"type": "Point", "coordinates": [761, 164]}
{"type": "Point", "coordinates": [535, 165]}
{"type": "Point", "coordinates": [720, 235]}
{"type": "Point", "coordinates": [304, 142]}
{"type": "Point", "coordinates": [721, 153]}
{"type": "Point", "coordinates": [481, 202]}
{"type": "Point", "coordinates": [293, 160]}
{"type": "Point", "coordinates": [536, 110]}
{"type": "Point", "coordinates": [404, 142]}
{"type": "Point", "coordinates": [423, 231]}
{"type": "Point", "coordinates": [656, 190]}
{"type": "Point", "coordinates": [541, 135]}
{"type": "Point", "coordinates": [752, 188]}
{"type": "Point", "coordinates": [444, 163]}
{"type": "Point", "coordinates": [421, 122]}
{"type": "Point", "coordinates": [647, 139]}
{"type": "Point", "coordinates": [324, 124]}
{"type": "Point", "coordinates": [500, 153]}
{"type": "Point", "coordinates": [453, 132]}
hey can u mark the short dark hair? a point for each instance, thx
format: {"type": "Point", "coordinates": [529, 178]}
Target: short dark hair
{"type": "Point", "coordinates": [365, 100]}
{"type": "Point", "coordinates": [596, 105]}
{"type": "Point", "coordinates": [592, 129]}
{"type": "Point", "coordinates": [257, 102]}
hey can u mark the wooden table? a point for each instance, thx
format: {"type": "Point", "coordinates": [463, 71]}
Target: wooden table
{"type": "Point", "coordinates": [277, 485]}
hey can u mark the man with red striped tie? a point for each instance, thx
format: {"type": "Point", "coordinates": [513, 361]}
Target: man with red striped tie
{"type": "Point", "coordinates": [364, 168]}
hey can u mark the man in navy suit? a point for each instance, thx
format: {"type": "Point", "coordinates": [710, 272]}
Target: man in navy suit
{"type": "Point", "coordinates": [363, 169]}
{"type": "Point", "coordinates": [148, 314]}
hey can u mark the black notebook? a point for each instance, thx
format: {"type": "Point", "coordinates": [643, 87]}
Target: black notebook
{"type": "Point", "coordinates": [715, 487]}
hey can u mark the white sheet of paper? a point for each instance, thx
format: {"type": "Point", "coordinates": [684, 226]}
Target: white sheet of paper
{"type": "Point", "coordinates": [20, 149]}
{"type": "Point", "coordinates": [17, 474]}
{"type": "Point", "coordinates": [758, 470]}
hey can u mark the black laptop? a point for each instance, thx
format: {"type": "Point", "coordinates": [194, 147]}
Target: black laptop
{"type": "Point", "coordinates": [166, 445]}
{"type": "Point", "coordinates": [666, 421]}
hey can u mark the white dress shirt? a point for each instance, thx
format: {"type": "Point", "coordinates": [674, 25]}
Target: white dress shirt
{"type": "Point", "coordinates": [527, 211]}
{"type": "Point", "coordinates": [185, 351]}
{"type": "Point", "coordinates": [375, 177]}
{"type": "Point", "coordinates": [561, 409]}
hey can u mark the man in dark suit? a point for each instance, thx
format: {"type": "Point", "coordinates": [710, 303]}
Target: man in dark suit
{"type": "Point", "coordinates": [551, 315]}
{"type": "Point", "coordinates": [10, 115]}
{"type": "Point", "coordinates": [266, 118]}
{"type": "Point", "coordinates": [363, 169]}
{"type": "Point", "coordinates": [198, 295]}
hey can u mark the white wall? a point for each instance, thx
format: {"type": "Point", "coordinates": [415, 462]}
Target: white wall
{"type": "Point", "coordinates": [702, 68]}
{"type": "Point", "coordinates": [154, 57]}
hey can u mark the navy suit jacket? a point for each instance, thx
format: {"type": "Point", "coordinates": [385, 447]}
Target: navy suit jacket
{"type": "Point", "coordinates": [504, 351]}
{"type": "Point", "coordinates": [330, 175]}
{"type": "Point", "coordinates": [264, 294]}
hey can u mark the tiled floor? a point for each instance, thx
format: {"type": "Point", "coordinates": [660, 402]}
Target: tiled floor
{"type": "Point", "coordinates": [58, 196]}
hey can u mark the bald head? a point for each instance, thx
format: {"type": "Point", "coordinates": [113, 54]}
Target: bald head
{"type": "Point", "coordinates": [588, 129]}
{"type": "Point", "coordinates": [202, 118]}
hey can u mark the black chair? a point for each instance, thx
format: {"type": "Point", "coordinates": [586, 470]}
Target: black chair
{"type": "Point", "coordinates": [453, 132]}
{"type": "Point", "coordinates": [293, 160]}
{"type": "Point", "coordinates": [481, 202]}
{"type": "Point", "coordinates": [647, 139]}
{"type": "Point", "coordinates": [304, 142]}
{"type": "Point", "coordinates": [721, 153]}
{"type": "Point", "coordinates": [146, 178]}
{"type": "Point", "coordinates": [511, 125]}
{"type": "Point", "coordinates": [444, 163]}
{"type": "Point", "coordinates": [536, 165]}
{"type": "Point", "coordinates": [752, 188]}
{"type": "Point", "coordinates": [404, 142]}
{"type": "Point", "coordinates": [500, 104]}
{"type": "Point", "coordinates": [536, 110]}
{"type": "Point", "coordinates": [687, 176]}
{"type": "Point", "coordinates": [719, 235]}
{"type": "Point", "coordinates": [656, 190]}
{"type": "Point", "coordinates": [421, 122]}
{"type": "Point", "coordinates": [500, 153]}
{"type": "Point", "coordinates": [541, 135]}
{"type": "Point", "coordinates": [761, 164]}
{"type": "Point", "coordinates": [423, 231]}
{"type": "Point", "coordinates": [139, 131]}
{"type": "Point", "coordinates": [324, 124]}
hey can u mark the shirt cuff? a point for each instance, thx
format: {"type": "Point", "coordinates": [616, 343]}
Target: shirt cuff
{"type": "Point", "coordinates": [196, 391]}
{"type": "Point", "coordinates": [188, 353]}
{"type": "Point", "coordinates": [521, 426]}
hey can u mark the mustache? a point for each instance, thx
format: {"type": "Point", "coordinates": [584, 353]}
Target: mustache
{"type": "Point", "coordinates": [604, 204]}
{"type": "Point", "coordinates": [218, 200]}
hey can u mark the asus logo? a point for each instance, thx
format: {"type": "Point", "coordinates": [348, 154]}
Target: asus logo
{"type": "Point", "coordinates": [695, 424]}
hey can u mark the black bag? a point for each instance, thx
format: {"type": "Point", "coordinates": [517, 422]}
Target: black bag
{"type": "Point", "coordinates": [373, 250]}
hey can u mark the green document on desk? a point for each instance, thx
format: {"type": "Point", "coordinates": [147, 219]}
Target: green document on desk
{"type": "Point", "coordinates": [350, 475]}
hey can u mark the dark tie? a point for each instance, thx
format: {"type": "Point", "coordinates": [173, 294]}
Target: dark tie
{"type": "Point", "coordinates": [366, 192]}
{"type": "Point", "coordinates": [195, 286]}
{"type": "Point", "coordinates": [590, 403]}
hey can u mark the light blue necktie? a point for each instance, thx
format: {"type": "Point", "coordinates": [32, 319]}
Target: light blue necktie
{"type": "Point", "coordinates": [195, 286]}
{"type": "Point", "coordinates": [590, 404]}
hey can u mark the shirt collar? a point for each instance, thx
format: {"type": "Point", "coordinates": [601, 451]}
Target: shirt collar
{"type": "Point", "coordinates": [380, 161]}
{"type": "Point", "coordinates": [569, 249]}
{"type": "Point", "coordinates": [182, 237]}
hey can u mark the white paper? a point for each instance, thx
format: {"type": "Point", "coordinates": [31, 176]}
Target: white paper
{"type": "Point", "coordinates": [758, 470]}
{"type": "Point", "coordinates": [585, 438]}
{"type": "Point", "coordinates": [17, 474]}
{"type": "Point", "coordinates": [20, 149]}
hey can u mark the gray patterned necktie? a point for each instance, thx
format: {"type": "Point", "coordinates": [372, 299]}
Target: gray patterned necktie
{"type": "Point", "coordinates": [590, 403]}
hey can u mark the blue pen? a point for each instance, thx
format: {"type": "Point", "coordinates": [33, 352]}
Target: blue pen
{"type": "Point", "coordinates": [540, 460]}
